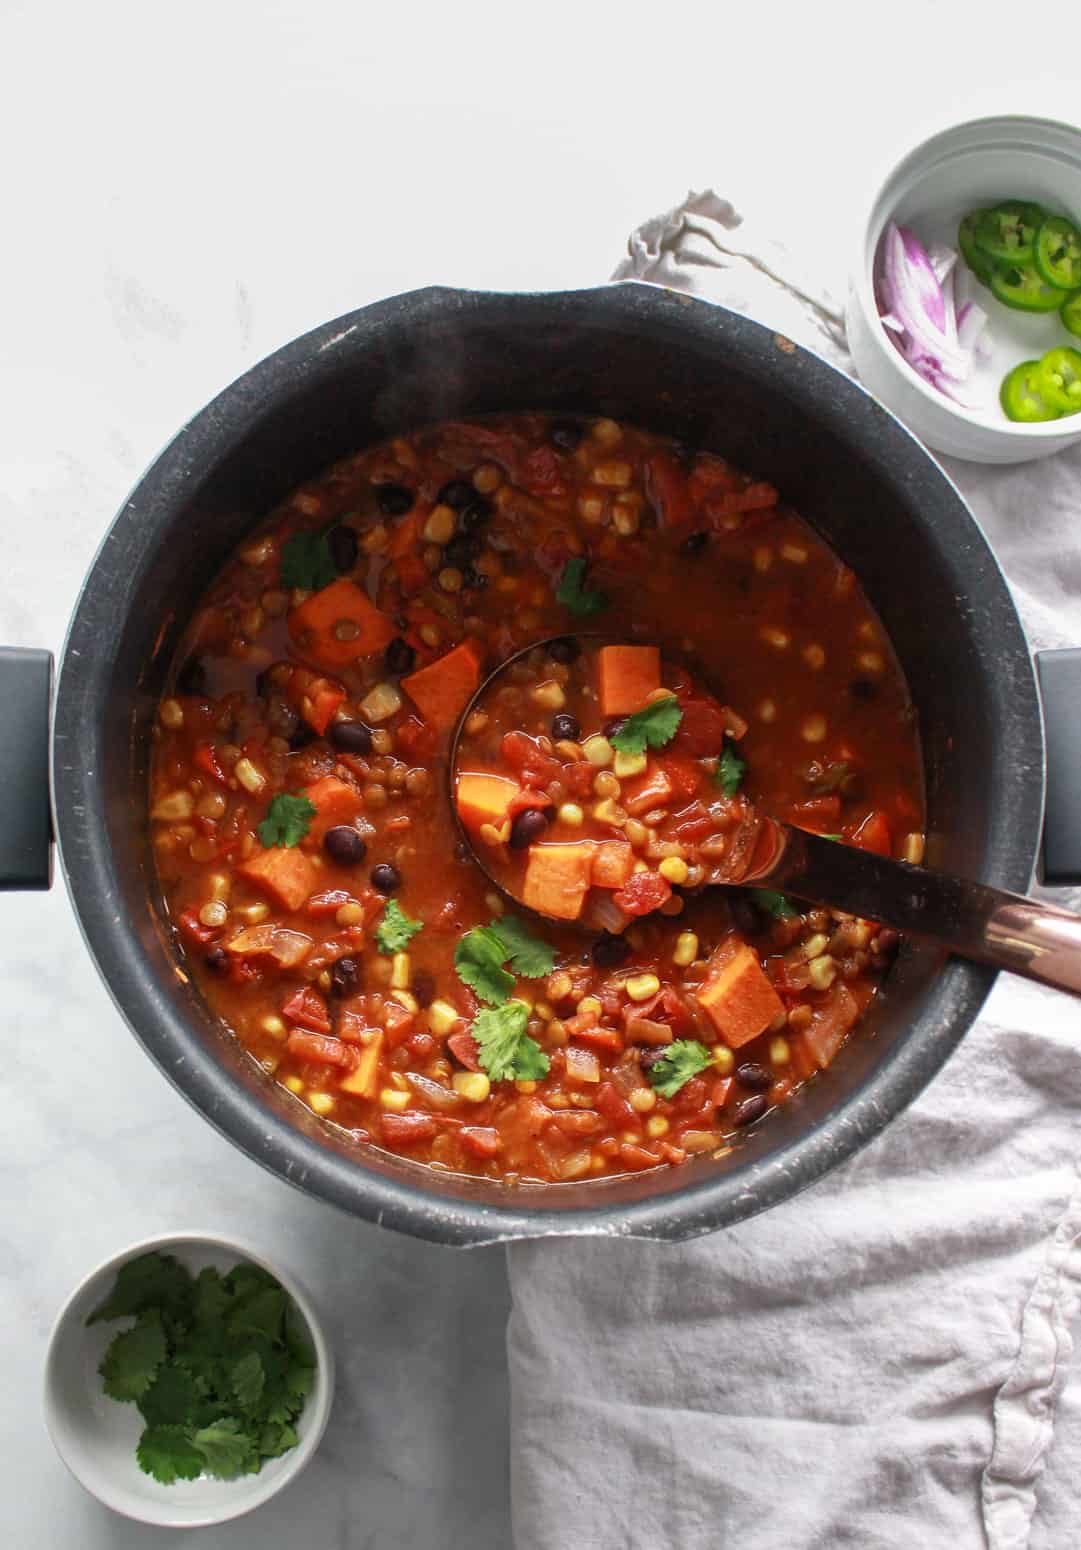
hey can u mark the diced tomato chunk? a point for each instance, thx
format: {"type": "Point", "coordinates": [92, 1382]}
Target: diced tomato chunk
{"type": "Point", "coordinates": [636, 1157]}
{"type": "Point", "coordinates": [192, 927]}
{"type": "Point", "coordinates": [319, 1048]}
{"type": "Point", "coordinates": [408, 1128]}
{"type": "Point", "coordinates": [685, 776]}
{"type": "Point", "coordinates": [398, 1022]}
{"type": "Point", "coordinates": [874, 834]}
{"type": "Point", "coordinates": [465, 1049]}
{"type": "Point", "coordinates": [481, 1140]}
{"type": "Point", "coordinates": [307, 1008]}
{"type": "Point", "coordinates": [611, 1103]}
{"type": "Point", "coordinates": [205, 758]}
{"type": "Point", "coordinates": [702, 731]}
{"type": "Point", "coordinates": [644, 892]}
{"type": "Point", "coordinates": [669, 492]}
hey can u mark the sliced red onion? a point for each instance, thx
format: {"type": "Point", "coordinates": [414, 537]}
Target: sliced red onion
{"type": "Point", "coordinates": [918, 309]}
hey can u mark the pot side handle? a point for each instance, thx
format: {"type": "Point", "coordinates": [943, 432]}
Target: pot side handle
{"type": "Point", "coordinates": [1060, 687]}
{"type": "Point", "coordinates": [26, 833]}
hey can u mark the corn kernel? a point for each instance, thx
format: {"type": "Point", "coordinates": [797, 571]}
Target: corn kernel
{"type": "Point", "coordinates": [814, 656]}
{"type": "Point", "coordinates": [590, 1004]}
{"type": "Point", "coordinates": [211, 805]}
{"type": "Point", "coordinates": [767, 711]}
{"type": "Point", "coordinates": [391, 1098]}
{"type": "Point", "coordinates": [870, 662]}
{"type": "Point", "coordinates": [450, 579]}
{"type": "Point", "coordinates": [544, 1011]}
{"type": "Point", "coordinates": [440, 525]}
{"type": "Point", "coordinates": [494, 902]}
{"type": "Point", "coordinates": [549, 695]}
{"type": "Point", "coordinates": [763, 559]}
{"type": "Point", "coordinates": [570, 813]}
{"type": "Point", "coordinates": [213, 915]}
{"type": "Point", "coordinates": [686, 949]}
{"type": "Point", "coordinates": [605, 784]}
{"type": "Point", "coordinates": [599, 751]}
{"type": "Point", "coordinates": [823, 972]}
{"type": "Point", "coordinates": [323, 981]}
{"type": "Point", "coordinates": [628, 764]}
{"type": "Point", "coordinates": [912, 849]}
{"type": "Point", "coordinates": [656, 1126]}
{"type": "Point", "coordinates": [795, 554]}
{"type": "Point", "coordinates": [608, 812]}
{"type": "Point", "coordinates": [399, 971]}
{"type": "Point", "coordinates": [381, 702]}
{"type": "Point", "coordinates": [780, 1052]}
{"type": "Point", "coordinates": [614, 475]}
{"type": "Point", "coordinates": [473, 1086]}
{"type": "Point", "coordinates": [171, 714]}
{"type": "Point", "coordinates": [813, 729]}
{"type": "Point", "coordinates": [641, 986]}
{"type": "Point", "coordinates": [322, 1103]}
{"type": "Point", "coordinates": [273, 1025]}
{"type": "Point", "coordinates": [398, 1082]}
{"type": "Point", "coordinates": [778, 639]}
{"type": "Point", "coordinates": [558, 986]}
{"type": "Point", "coordinates": [406, 999]}
{"type": "Point", "coordinates": [350, 914]}
{"type": "Point", "coordinates": [526, 1086]}
{"type": "Point", "coordinates": [674, 870]}
{"type": "Point", "coordinates": [258, 553]}
{"type": "Point", "coordinates": [178, 804]}
{"type": "Point", "coordinates": [220, 885]}
{"type": "Point", "coordinates": [625, 522]}
{"type": "Point", "coordinates": [487, 477]}
{"type": "Point", "coordinates": [642, 1099]}
{"type": "Point", "coordinates": [294, 1084]}
{"type": "Point", "coordinates": [608, 432]}
{"type": "Point", "coordinates": [591, 508]}
{"type": "Point", "coordinates": [637, 833]}
{"type": "Point", "coordinates": [252, 779]}
{"type": "Point", "coordinates": [442, 1016]}
{"type": "Point", "coordinates": [493, 835]}
{"type": "Point", "coordinates": [254, 914]}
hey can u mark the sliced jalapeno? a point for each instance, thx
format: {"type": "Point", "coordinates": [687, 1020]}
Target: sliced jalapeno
{"type": "Point", "coordinates": [1057, 253]}
{"type": "Point", "coordinates": [1008, 231]}
{"type": "Point", "coordinates": [977, 261]}
{"type": "Point", "coordinates": [1071, 314]}
{"type": "Point", "coordinates": [1058, 381]}
{"type": "Point", "coordinates": [1020, 396]}
{"type": "Point", "coordinates": [1023, 289]}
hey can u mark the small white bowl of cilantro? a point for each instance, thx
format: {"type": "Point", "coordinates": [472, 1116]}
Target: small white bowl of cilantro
{"type": "Point", "coordinates": [187, 1381]}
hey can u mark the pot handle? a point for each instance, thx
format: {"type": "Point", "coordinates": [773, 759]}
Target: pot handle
{"type": "Point", "coordinates": [26, 850]}
{"type": "Point", "coordinates": [1060, 687]}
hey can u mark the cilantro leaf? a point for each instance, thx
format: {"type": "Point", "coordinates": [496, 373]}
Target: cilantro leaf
{"type": "Point", "coordinates": [682, 1060]}
{"type": "Point", "coordinates": [211, 1297]}
{"type": "Point", "coordinates": [503, 1048]}
{"type": "Point", "coordinates": [260, 1313]}
{"type": "Point", "coordinates": [171, 1398]}
{"type": "Point", "coordinates": [396, 929]}
{"type": "Point", "coordinates": [774, 903]}
{"type": "Point", "coordinates": [277, 1437]}
{"type": "Point", "coordinates": [573, 593]}
{"type": "Point", "coordinates": [249, 1380]}
{"type": "Point", "coordinates": [150, 1281]}
{"type": "Point", "coordinates": [227, 1449]}
{"type": "Point", "coordinates": [287, 821]}
{"type": "Point", "coordinates": [479, 959]}
{"type": "Point", "coordinates": [730, 770]}
{"type": "Point", "coordinates": [653, 726]}
{"type": "Point", "coordinates": [166, 1453]}
{"type": "Point", "coordinates": [307, 562]}
{"type": "Point", "coordinates": [526, 953]}
{"type": "Point", "coordinates": [133, 1357]}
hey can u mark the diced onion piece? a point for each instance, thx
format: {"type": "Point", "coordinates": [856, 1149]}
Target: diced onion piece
{"type": "Point", "coordinates": [287, 948]}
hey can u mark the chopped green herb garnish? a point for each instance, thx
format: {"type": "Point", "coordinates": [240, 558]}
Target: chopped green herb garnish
{"type": "Point", "coordinates": [287, 821]}
{"type": "Point", "coordinates": [573, 593]}
{"type": "Point", "coordinates": [775, 904]}
{"type": "Point", "coordinates": [307, 562]}
{"type": "Point", "coordinates": [216, 1366]}
{"type": "Point", "coordinates": [651, 727]}
{"type": "Point", "coordinates": [396, 930]}
{"type": "Point", "coordinates": [504, 1049]}
{"type": "Point", "coordinates": [481, 954]}
{"type": "Point", "coordinates": [730, 770]}
{"type": "Point", "coordinates": [682, 1060]}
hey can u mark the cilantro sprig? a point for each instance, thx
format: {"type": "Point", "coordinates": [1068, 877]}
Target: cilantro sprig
{"type": "Point", "coordinates": [504, 1049]}
{"type": "Point", "coordinates": [396, 929]}
{"type": "Point", "coordinates": [682, 1060]}
{"type": "Point", "coordinates": [217, 1366]}
{"type": "Point", "coordinates": [307, 562]}
{"type": "Point", "coordinates": [573, 593]}
{"type": "Point", "coordinates": [653, 726]}
{"type": "Point", "coordinates": [482, 953]}
{"type": "Point", "coordinates": [287, 821]}
{"type": "Point", "coordinates": [774, 903]}
{"type": "Point", "coordinates": [730, 770]}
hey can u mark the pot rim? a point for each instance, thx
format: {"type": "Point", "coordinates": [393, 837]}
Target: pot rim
{"type": "Point", "coordinates": [701, 1205]}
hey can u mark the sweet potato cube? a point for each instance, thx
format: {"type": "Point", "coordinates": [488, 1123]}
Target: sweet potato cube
{"type": "Point", "coordinates": [361, 1081]}
{"type": "Point", "coordinates": [443, 689]}
{"type": "Point", "coordinates": [338, 624]}
{"type": "Point", "coordinates": [484, 799]}
{"type": "Point", "coordinates": [651, 789]}
{"type": "Point", "coordinates": [738, 998]}
{"type": "Point", "coordinates": [627, 676]}
{"type": "Point", "coordinates": [557, 879]}
{"type": "Point", "coordinates": [613, 863]}
{"type": "Point", "coordinates": [285, 874]}
{"type": "Point", "coordinates": [335, 802]}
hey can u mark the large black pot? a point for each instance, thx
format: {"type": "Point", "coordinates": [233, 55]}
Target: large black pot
{"type": "Point", "coordinates": [639, 353]}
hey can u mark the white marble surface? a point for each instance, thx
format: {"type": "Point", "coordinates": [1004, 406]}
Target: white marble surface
{"type": "Point", "coordinates": [184, 189]}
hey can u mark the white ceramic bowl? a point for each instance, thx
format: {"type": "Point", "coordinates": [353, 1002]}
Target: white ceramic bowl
{"type": "Point", "coordinates": [96, 1436]}
{"type": "Point", "coordinates": [974, 164]}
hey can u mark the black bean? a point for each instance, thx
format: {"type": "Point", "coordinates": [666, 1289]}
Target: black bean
{"type": "Point", "coordinates": [565, 727]}
{"type": "Point", "coordinates": [399, 657]}
{"type": "Point", "coordinates": [751, 1109]}
{"type": "Point", "coordinates": [385, 878]}
{"type": "Point", "coordinates": [351, 737]}
{"type": "Point", "coordinates": [191, 678]}
{"type": "Point", "coordinates": [423, 987]}
{"type": "Point", "coordinates": [609, 951]}
{"type": "Point", "coordinates": [474, 579]}
{"type": "Point", "coordinates": [693, 544]}
{"type": "Point", "coordinates": [281, 719]}
{"type": "Point", "coordinates": [394, 500]}
{"type": "Point", "coordinates": [262, 683]}
{"type": "Point", "coordinates": [457, 494]}
{"type": "Point", "coordinates": [344, 845]}
{"type": "Point", "coordinates": [475, 515]}
{"type": "Point", "coordinates": [566, 649]}
{"type": "Point", "coordinates": [303, 735]}
{"type": "Point", "coordinates": [460, 551]}
{"type": "Point", "coordinates": [649, 1055]}
{"type": "Point", "coordinates": [614, 725]}
{"type": "Point", "coordinates": [746, 916]}
{"type": "Point", "coordinates": [345, 977]}
{"type": "Point", "coordinates": [755, 1076]}
{"type": "Point", "coordinates": [566, 435]}
{"type": "Point", "coordinates": [343, 546]}
{"type": "Point", "coordinates": [217, 959]}
{"type": "Point", "coordinates": [863, 689]}
{"type": "Point", "coordinates": [527, 827]}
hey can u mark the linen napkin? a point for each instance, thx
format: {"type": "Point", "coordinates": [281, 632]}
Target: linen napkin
{"type": "Point", "coordinates": [878, 1362]}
